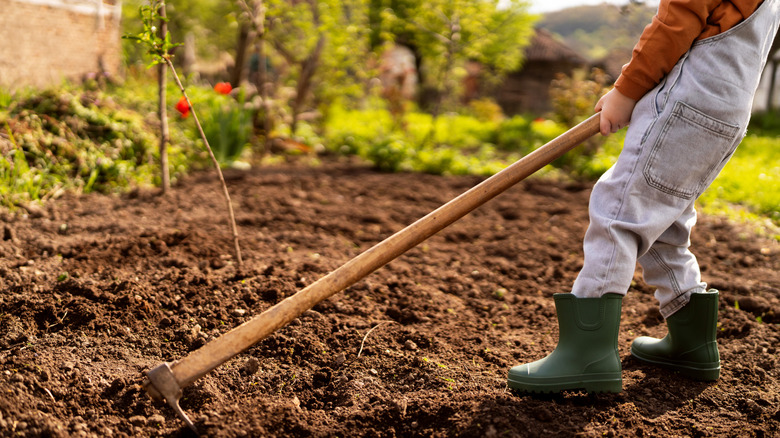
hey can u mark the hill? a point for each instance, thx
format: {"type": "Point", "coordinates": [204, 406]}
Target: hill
{"type": "Point", "coordinates": [599, 30]}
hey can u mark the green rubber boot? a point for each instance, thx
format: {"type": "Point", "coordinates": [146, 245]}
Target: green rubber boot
{"type": "Point", "coordinates": [690, 345]}
{"type": "Point", "coordinates": [586, 357]}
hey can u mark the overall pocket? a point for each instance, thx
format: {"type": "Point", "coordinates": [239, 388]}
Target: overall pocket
{"type": "Point", "coordinates": [689, 149]}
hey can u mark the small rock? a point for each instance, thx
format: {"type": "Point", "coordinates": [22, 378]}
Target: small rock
{"type": "Point", "coordinates": [410, 345]}
{"type": "Point", "coordinates": [35, 211]}
{"type": "Point", "coordinates": [239, 312]}
{"type": "Point", "coordinates": [340, 359]}
{"type": "Point", "coordinates": [373, 372]}
{"type": "Point", "coordinates": [250, 366]}
{"type": "Point", "coordinates": [157, 419]}
{"type": "Point", "coordinates": [17, 378]}
{"type": "Point", "coordinates": [137, 420]}
{"type": "Point", "coordinates": [754, 407]}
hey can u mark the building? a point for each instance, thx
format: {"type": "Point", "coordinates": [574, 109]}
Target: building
{"type": "Point", "coordinates": [46, 41]}
{"type": "Point", "coordinates": [528, 89]}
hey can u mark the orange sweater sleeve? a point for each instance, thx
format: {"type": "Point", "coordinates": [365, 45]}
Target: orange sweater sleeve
{"type": "Point", "coordinates": [671, 33]}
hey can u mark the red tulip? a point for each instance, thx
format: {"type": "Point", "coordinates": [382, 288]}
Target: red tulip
{"type": "Point", "coordinates": [183, 107]}
{"type": "Point", "coordinates": [223, 88]}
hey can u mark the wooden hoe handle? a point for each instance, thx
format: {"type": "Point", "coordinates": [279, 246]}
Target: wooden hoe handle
{"type": "Point", "coordinates": [200, 362]}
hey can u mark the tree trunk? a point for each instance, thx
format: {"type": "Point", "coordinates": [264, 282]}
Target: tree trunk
{"type": "Point", "coordinates": [162, 79]}
{"type": "Point", "coordinates": [241, 48]}
{"type": "Point", "coordinates": [263, 86]}
{"type": "Point", "coordinates": [308, 68]}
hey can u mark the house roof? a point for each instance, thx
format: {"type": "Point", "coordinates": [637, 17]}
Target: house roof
{"type": "Point", "coordinates": [544, 47]}
{"type": "Point", "coordinates": [613, 63]}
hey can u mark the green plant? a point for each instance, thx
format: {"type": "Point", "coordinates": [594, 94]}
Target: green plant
{"type": "Point", "coordinates": [573, 99]}
{"type": "Point", "coordinates": [18, 183]}
{"type": "Point", "coordinates": [486, 110]}
{"type": "Point", "coordinates": [463, 144]}
{"type": "Point", "coordinates": [227, 124]}
{"type": "Point", "coordinates": [70, 138]}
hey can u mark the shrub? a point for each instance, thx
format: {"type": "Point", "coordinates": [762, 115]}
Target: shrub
{"type": "Point", "coordinates": [573, 98]}
{"type": "Point", "coordinates": [81, 139]}
{"type": "Point", "coordinates": [227, 122]}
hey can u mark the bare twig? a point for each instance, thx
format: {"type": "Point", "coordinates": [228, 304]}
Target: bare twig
{"type": "Point", "coordinates": [50, 394]}
{"type": "Point", "coordinates": [213, 159]}
{"type": "Point", "coordinates": [368, 333]}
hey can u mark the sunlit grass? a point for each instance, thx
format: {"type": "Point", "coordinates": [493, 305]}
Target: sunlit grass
{"type": "Point", "coordinates": [748, 188]}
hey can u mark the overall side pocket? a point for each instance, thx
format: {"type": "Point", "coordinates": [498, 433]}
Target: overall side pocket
{"type": "Point", "coordinates": [691, 146]}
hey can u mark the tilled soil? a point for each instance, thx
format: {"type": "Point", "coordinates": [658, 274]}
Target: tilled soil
{"type": "Point", "coordinates": [97, 289]}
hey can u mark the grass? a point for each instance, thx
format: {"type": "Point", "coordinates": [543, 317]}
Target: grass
{"type": "Point", "coordinates": [748, 188]}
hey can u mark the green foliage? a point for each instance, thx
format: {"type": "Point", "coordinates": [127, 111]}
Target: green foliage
{"type": "Point", "coordinates": [18, 183]}
{"type": "Point", "coordinates": [447, 34]}
{"type": "Point", "coordinates": [573, 99]}
{"type": "Point", "coordinates": [226, 122]}
{"type": "Point", "coordinates": [465, 145]}
{"type": "Point", "coordinates": [327, 38]}
{"type": "Point", "coordinates": [211, 22]}
{"type": "Point", "coordinates": [158, 47]}
{"type": "Point", "coordinates": [524, 135]}
{"type": "Point", "coordinates": [81, 140]}
{"type": "Point", "coordinates": [485, 109]}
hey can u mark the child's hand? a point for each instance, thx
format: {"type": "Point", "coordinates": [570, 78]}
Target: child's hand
{"type": "Point", "coordinates": [616, 109]}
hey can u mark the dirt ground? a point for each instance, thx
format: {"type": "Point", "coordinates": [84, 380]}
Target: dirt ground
{"type": "Point", "coordinates": [97, 289]}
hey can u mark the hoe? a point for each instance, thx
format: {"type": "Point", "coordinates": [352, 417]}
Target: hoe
{"type": "Point", "coordinates": [166, 381]}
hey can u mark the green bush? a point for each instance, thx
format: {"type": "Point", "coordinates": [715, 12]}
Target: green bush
{"type": "Point", "coordinates": [462, 144]}
{"type": "Point", "coordinates": [71, 138]}
{"type": "Point", "coordinates": [523, 135]}
{"type": "Point", "coordinates": [226, 122]}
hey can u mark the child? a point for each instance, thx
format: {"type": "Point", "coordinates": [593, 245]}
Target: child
{"type": "Point", "coordinates": [687, 92]}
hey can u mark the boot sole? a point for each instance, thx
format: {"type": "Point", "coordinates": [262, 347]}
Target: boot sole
{"type": "Point", "coordinates": [600, 383]}
{"type": "Point", "coordinates": [702, 372]}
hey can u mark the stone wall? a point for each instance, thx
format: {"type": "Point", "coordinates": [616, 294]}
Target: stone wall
{"type": "Point", "coordinates": [43, 42]}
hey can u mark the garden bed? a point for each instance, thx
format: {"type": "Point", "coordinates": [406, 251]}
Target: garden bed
{"type": "Point", "coordinates": [96, 289]}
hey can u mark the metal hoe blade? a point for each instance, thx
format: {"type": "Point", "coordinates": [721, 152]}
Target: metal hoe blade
{"type": "Point", "coordinates": [162, 385]}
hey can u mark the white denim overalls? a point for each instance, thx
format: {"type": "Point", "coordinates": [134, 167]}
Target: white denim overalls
{"type": "Point", "coordinates": [681, 135]}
